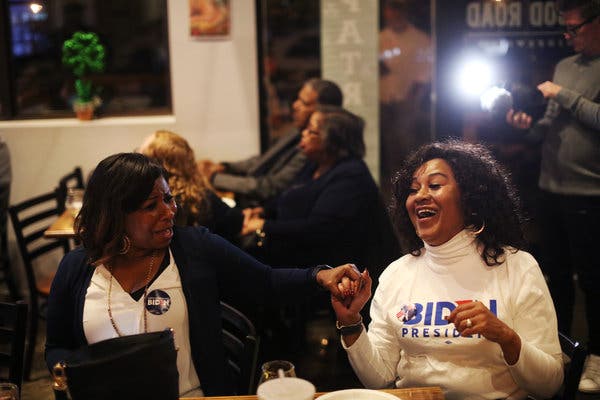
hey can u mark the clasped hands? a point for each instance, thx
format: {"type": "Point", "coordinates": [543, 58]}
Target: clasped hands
{"type": "Point", "coordinates": [354, 295]}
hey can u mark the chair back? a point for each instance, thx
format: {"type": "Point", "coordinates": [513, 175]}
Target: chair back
{"type": "Point", "coordinates": [241, 348]}
{"type": "Point", "coordinates": [73, 179]}
{"type": "Point", "coordinates": [30, 219]}
{"type": "Point", "coordinates": [13, 324]}
{"type": "Point", "coordinates": [574, 355]}
{"type": "Point", "coordinates": [6, 266]}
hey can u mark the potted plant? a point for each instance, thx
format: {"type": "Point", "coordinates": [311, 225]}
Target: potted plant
{"type": "Point", "coordinates": [84, 54]}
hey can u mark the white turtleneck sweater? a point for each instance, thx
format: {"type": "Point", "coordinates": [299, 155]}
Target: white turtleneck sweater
{"type": "Point", "coordinates": [409, 343]}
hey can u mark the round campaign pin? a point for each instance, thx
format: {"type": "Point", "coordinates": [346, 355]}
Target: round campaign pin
{"type": "Point", "coordinates": [158, 302]}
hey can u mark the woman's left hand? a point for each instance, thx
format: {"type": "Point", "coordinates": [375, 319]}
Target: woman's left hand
{"type": "Point", "coordinates": [474, 318]}
{"type": "Point", "coordinates": [251, 225]}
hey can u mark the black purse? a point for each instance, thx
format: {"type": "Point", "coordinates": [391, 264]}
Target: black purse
{"type": "Point", "coordinates": [142, 366]}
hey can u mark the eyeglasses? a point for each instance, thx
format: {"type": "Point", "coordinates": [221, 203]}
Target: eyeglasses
{"type": "Point", "coordinates": [573, 29]}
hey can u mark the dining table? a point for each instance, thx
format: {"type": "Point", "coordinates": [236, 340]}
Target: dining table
{"type": "Point", "coordinates": [417, 393]}
{"type": "Point", "coordinates": [62, 227]}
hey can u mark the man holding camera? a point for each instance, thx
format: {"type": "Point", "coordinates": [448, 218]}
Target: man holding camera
{"type": "Point", "coordinates": [570, 175]}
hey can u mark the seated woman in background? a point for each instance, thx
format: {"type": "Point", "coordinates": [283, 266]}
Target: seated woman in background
{"type": "Point", "coordinates": [197, 203]}
{"type": "Point", "coordinates": [132, 251]}
{"type": "Point", "coordinates": [467, 310]}
{"type": "Point", "coordinates": [333, 210]}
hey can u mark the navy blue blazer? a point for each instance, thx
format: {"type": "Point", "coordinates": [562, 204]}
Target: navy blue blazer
{"type": "Point", "coordinates": [210, 269]}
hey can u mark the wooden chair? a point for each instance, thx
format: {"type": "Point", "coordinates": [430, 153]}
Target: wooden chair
{"type": "Point", "coordinates": [73, 179]}
{"type": "Point", "coordinates": [30, 219]}
{"type": "Point", "coordinates": [13, 325]}
{"type": "Point", "coordinates": [241, 348]}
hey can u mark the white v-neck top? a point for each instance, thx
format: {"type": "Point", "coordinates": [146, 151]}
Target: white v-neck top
{"type": "Point", "coordinates": [166, 308]}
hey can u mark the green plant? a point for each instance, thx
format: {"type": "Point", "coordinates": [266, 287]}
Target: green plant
{"type": "Point", "coordinates": [84, 54]}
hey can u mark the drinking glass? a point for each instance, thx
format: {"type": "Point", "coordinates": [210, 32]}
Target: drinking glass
{"type": "Point", "coordinates": [9, 391]}
{"type": "Point", "coordinates": [269, 370]}
{"type": "Point", "coordinates": [74, 200]}
{"type": "Point", "coordinates": [286, 388]}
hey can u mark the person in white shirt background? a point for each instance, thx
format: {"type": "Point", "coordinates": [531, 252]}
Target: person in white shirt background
{"type": "Point", "coordinates": [467, 309]}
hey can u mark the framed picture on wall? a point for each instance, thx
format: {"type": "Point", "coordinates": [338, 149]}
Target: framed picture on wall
{"type": "Point", "coordinates": [210, 19]}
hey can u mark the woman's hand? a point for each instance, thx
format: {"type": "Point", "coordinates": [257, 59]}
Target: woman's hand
{"type": "Point", "coordinates": [252, 213]}
{"type": "Point", "coordinates": [347, 310]}
{"type": "Point", "coordinates": [332, 278]}
{"type": "Point", "coordinates": [474, 318]}
{"type": "Point", "coordinates": [356, 294]}
{"type": "Point", "coordinates": [251, 225]}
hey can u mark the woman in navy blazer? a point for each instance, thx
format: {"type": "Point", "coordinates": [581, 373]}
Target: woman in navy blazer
{"type": "Point", "coordinates": [333, 211]}
{"type": "Point", "coordinates": [131, 248]}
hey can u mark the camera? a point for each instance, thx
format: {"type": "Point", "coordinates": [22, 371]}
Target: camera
{"type": "Point", "coordinates": [520, 97]}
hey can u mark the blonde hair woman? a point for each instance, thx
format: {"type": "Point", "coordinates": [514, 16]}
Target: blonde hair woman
{"type": "Point", "coordinates": [198, 203]}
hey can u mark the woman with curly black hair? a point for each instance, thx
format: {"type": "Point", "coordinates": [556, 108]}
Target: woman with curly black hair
{"type": "Point", "coordinates": [488, 201]}
{"type": "Point", "coordinates": [467, 310]}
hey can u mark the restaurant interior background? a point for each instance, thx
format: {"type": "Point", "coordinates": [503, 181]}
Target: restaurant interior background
{"type": "Point", "coordinates": [231, 96]}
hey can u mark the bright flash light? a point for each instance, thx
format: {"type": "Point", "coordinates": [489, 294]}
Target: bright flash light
{"type": "Point", "coordinates": [35, 7]}
{"type": "Point", "coordinates": [496, 100]}
{"type": "Point", "coordinates": [474, 76]}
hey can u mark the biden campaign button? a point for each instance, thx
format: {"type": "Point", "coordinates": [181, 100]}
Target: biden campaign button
{"type": "Point", "coordinates": [158, 302]}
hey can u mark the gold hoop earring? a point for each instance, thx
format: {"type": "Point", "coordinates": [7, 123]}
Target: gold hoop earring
{"type": "Point", "coordinates": [478, 231]}
{"type": "Point", "coordinates": [126, 246]}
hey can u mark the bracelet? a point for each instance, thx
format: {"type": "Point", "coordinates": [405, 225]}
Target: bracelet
{"type": "Point", "coordinates": [260, 237]}
{"type": "Point", "coordinates": [349, 329]}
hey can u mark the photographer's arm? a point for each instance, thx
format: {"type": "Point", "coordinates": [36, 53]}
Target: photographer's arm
{"type": "Point", "coordinates": [584, 110]}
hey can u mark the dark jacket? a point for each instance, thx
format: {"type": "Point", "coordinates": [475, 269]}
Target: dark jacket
{"type": "Point", "coordinates": [210, 268]}
{"type": "Point", "coordinates": [260, 178]}
{"type": "Point", "coordinates": [335, 219]}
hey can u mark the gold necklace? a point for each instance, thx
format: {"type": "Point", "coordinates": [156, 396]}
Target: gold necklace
{"type": "Point", "coordinates": [112, 321]}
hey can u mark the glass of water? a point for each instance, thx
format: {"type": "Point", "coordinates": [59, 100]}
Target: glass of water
{"type": "Point", "coordinates": [270, 370]}
{"type": "Point", "coordinates": [74, 200]}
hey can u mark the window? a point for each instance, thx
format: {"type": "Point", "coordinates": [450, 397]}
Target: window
{"type": "Point", "coordinates": [35, 84]}
{"type": "Point", "coordinates": [289, 49]}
